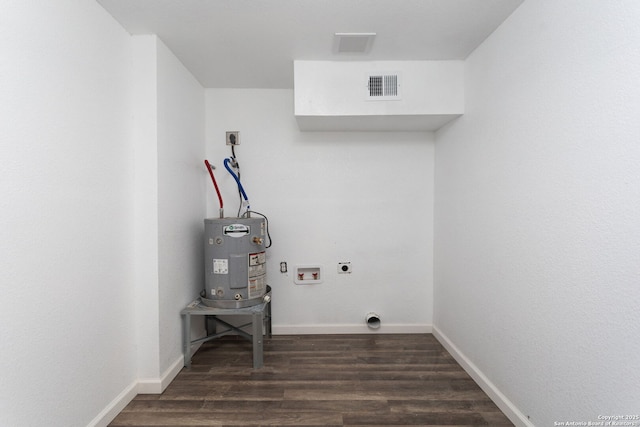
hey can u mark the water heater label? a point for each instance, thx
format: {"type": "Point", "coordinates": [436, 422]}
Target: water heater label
{"type": "Point", "coordinates": [257, 259]}
{"type": "Point", "coordinates": [236, 230]}
{"type": "Point", "coordinates": [257, 274]}
{"type": "Point", "coordinates": [220, 266]}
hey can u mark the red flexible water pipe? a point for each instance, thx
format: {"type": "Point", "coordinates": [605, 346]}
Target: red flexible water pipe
{"type": "Point", "coordinates": [215, 184]}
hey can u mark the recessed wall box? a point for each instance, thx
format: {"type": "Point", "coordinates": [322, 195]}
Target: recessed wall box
{"type": "Point", "coordinates": [308, 275]}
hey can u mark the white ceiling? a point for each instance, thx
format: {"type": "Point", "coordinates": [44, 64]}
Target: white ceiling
{"type": "Point", "coordinates": [252, 43]}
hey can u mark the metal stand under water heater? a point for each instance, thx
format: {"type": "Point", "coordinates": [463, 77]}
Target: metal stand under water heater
{"type": "Point", "coordinates": [235, 262]}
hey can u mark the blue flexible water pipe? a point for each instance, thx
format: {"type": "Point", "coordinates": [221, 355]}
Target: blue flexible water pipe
{"type": "Point", "coordinates": [226, 165]}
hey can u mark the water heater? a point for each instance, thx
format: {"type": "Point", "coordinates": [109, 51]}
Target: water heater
{"type": "Point", "coordinates": [235, 262]}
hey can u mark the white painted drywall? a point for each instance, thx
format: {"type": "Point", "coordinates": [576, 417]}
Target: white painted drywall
{"type": "Point", "coordinates": [102, 201]}
{"type": "Point", "coordinates": [67, 346]}
{"type": "Point", "coordinates": [181, 202]}
{"type": "Point", "coordinates": [537, 242]}
{"type": "Point", "coordinates": [145, 233]}
{"type": "Point", "coordinates": [333, 95]}
{"type": "Point", "coordinates": [170, 207]}
{"type": "Point", "coordinates": [330, 197]}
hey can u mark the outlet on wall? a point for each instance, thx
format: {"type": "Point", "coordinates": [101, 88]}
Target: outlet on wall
{"type": "Point", "coordinates": [233, 137]}
{"type": "Point", "coordinates": [344, 267]}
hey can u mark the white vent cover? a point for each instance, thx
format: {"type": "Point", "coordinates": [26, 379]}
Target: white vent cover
{"type": "Point", "coordinates": [353, 43]}
{"type": "Point", "coordinates": [383, 86]}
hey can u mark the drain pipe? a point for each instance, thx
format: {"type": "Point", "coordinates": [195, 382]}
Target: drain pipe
{"type": "Point", "coordinates": [373, 320]}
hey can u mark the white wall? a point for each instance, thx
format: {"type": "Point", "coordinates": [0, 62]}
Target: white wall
{"type": "Point", "coordinates": [170, 207]}
{"type": "Point", "coordinates": [181, 199]}
{"type": "Point", "coordinates": [331, 196]}
{"type": "Point", "coordinates": [102, 205]}
{"type": "Point", "coordinates": [67, 306]}
{"type": "Point", "coordinates": [145, 232]}
{"type": "Point", "coordinates": [537, 200]}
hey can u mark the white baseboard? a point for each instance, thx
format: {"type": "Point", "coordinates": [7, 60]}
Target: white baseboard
{"type": "Point", "coordinates": [501, 401]}
{"type": "Point", "coordinates": [115, 407]}
{"type": "Point", "coordinates": [158, 385]}
{"type": "Point", "coordinates": [142, 386]}
{"type": "Point", "coordinates": [350, 329]}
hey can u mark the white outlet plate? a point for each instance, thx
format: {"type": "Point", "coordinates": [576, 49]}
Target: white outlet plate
{"type": "Point", "coordinates": [344, 268]}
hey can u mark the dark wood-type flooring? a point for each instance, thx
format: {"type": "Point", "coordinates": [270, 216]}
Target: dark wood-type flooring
{"type": "Point", "coordinates": [319, 380]}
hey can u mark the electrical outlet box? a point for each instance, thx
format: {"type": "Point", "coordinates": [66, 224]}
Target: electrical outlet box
{"type": "Point", "coordinates": [344, 267]}
{"type": "Point", "coordinates": [233, 137]}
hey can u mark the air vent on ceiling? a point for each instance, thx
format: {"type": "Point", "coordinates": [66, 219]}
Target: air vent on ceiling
{"type": "Point", "coordinates": [383, 86]}
{"type": "Point", "coordinates": [353, 43]}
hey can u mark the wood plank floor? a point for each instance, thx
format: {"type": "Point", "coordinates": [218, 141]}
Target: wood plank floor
{"type": "Point", "coordinates": [319, 380]}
